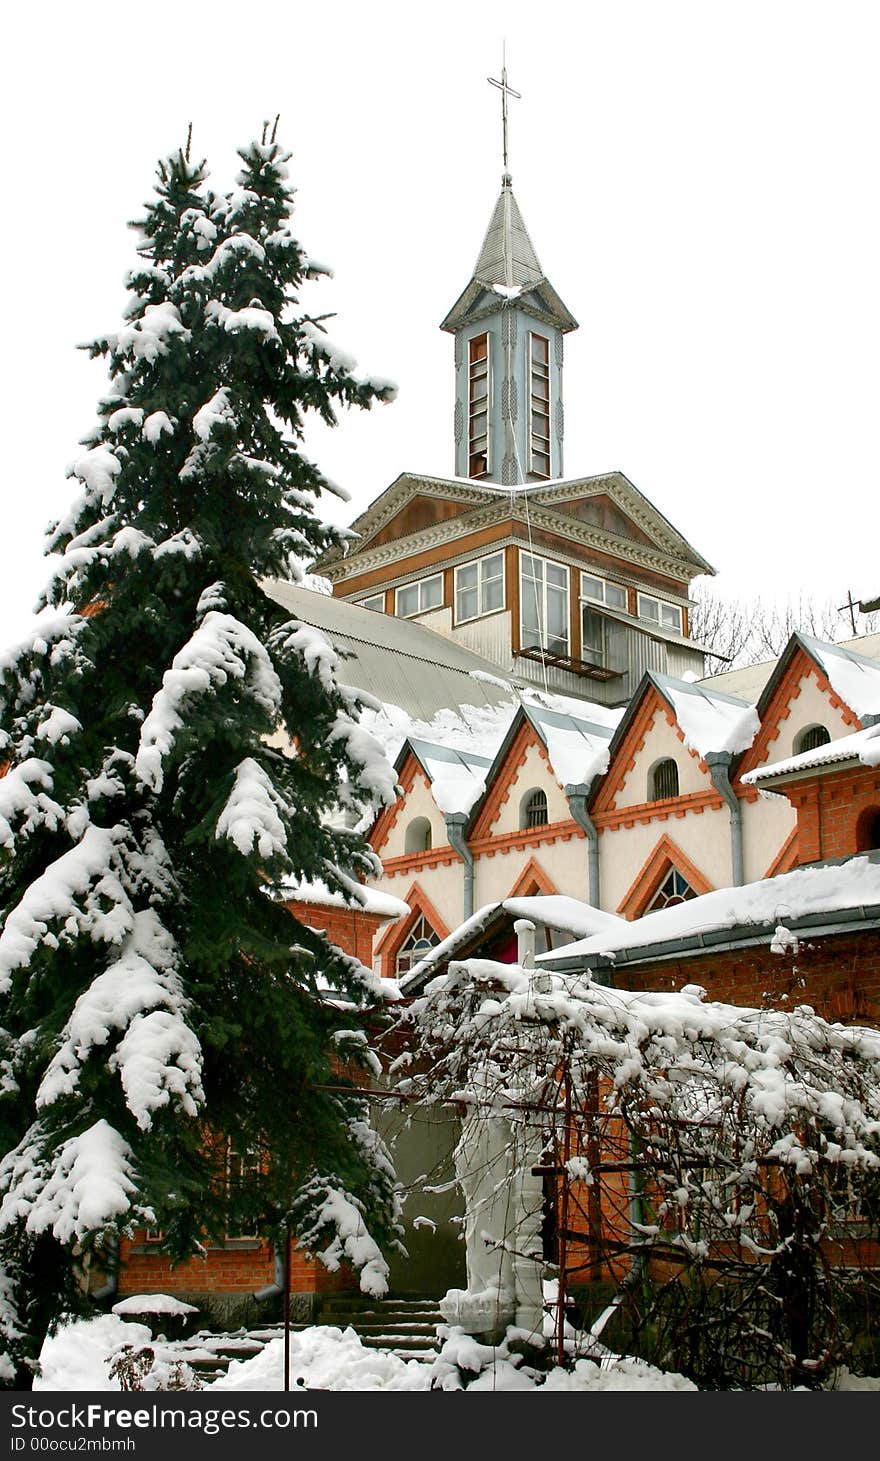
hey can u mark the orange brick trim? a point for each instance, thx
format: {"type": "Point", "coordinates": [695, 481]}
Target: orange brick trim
{"type": "Point", "coordinates": [624, 758]}
{"type": "Point", "coordinates": [674, 806]}
{"type": "Point", "coordinates": [532, 879]}
{"type": "Point", "coordinates": [395, 936]}
{"type": "Point", "coordinates": [800, 667]}
{"type": "Point", "coordinates": [502, 786]}
{"type": "Point", "coordinates": [530, 837]}
{"type": "Point", "coordinates": [386, 821]}
{"type": "Point", "coordinates": [415, 861]}
{"type": "Point", "coordinates": [667, 854]}
{"type": "Point", "coordinates": [787, 856]}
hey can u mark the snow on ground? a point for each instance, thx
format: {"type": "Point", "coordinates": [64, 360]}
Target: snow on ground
{"type": "Point", "coordinates": [326, 1358]}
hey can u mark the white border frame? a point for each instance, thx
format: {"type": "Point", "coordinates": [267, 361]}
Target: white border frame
{"type": "Point", "coordinates": [482, 613]}
{"type": "Point", "coordinates": [417, 583]}
{"type": "Point", "coordinates": [539, 557]}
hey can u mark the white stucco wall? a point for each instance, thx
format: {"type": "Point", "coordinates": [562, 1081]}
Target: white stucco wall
{"type": "Point", "coordinates": [661, 741]}
{"type": "Point", "coordinates": [419, 803]}
{"type": "Point", "coordinates": [533, 774]}
{"type": "Point", "coordinates": [703, 837]}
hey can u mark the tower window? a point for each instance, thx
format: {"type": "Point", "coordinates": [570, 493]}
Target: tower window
{"type": "Point", "coordinates": [418, 836]}
{"type": "Point", "coordinates": [544, 604]}
{"type": "Point", "coordinates": [533, 809]}
{"type": "Point", "coordinates": [674, 889]}
{"type": "Point", "coordinates": [420, 939]}
{"type": "Point", "coordinates": [539, 406]}
{"type": "Point", "coordinates": [663, 781]}
{"type": "Point", "coordinates": [479, 405]}
{"type": "Point", "coordinates": [811, 738]}
{"type": "Point", "coordinates": [479, 587]}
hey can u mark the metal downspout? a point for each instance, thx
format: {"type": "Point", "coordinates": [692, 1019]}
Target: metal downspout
{"type": "Point", "coordinates": [455, 825]}
{"type": "Point", "coordinates": [576, 796]}
{"type": "Point", "coordinates": [718, 763]}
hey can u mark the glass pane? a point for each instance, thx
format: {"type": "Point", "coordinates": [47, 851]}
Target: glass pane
{"type": "Point", "coordinates": [478, 424]}
{"type": "Point", "coordinates": [539, 348]}
{"type": "Point", "coordinates": [467, 606]}
{"type": "Point", "coordinates": [557, 575]}
{"type": "Point", "coordinates": [479, 347]}
{"type": "Point", "coordinates": [493, 595]}
{"type": "Point", "coordinates": [541, 464]}
{"type": "Point", "coordinates": [670, 616]}
{"type": "Point", "coordinates": [557, 613]}
{"type": "Point", "coordinates": [615, 595]}
{"type": "Point", "coordinates": [532, 568]}
{"type": "Point", "coordinates": [530, 617]}
{"type": "Point", "coordinates": [467, 576]}
{"type": "Point", "coordinates": [492, 567]}
{"type": "Point", "coordinates": [479, 388]}
{"type": "Point", "coordinates": [432, 593]}
{"type": "Point", "coordinates": [593, 635]}
{"type": "Point", "coordinates": [408, 599]}
{"type": "Point", "coordinates": [649, 609]}
{"type": "Point", "coordinates": [592, 588]}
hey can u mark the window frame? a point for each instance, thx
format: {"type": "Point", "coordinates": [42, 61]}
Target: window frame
{"type": "Point", "coordinates": [661, 605]}
{"type": "Point", "coordinates": [606, 583]}
{"type": "Point", "coordinates": [527, 813]}
{"type": "Point", "coordinates": [478, 564]}
{"type": "Point", "coordinates": [419, 584]}
{"type": "Point", "coordinates": [548, 414]}
{"type": "Point", "coordinates": [410, 943]}
{"type": "Point", "coordinates": [473, 440]}
{"type": "Point", "coordinates": [554, 563]}
{"type": "Point", "coordinates": [368, 603]}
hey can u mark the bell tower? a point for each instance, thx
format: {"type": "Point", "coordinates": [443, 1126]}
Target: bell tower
{"type": "Point", "coordinates": [508, 327]}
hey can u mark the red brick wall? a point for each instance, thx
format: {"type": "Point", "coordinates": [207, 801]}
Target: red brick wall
{"type": "Point", "coordinates": [829, 806]}
{"type": "Point", "coordinates": [838, 975]}
{"type": "Point", "coordinates": [221, 1271]}
{"type": "Point", "coordinates": [351, 929]}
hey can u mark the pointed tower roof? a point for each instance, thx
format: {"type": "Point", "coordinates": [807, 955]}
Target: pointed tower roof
{"type": "Point", "coordinates": [508, 267]}
{"type": "Point", "coordinates": [508, 255]}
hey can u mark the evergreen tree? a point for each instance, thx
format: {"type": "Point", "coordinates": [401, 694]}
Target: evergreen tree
{"type": "Point", "coordinates": [158, 1001]}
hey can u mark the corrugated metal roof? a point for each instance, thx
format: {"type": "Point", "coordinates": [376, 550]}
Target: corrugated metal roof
{"type": "Point", "coordinates": [396, 660]}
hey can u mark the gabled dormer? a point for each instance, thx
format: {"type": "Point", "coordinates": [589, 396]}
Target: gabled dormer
{"type": "Point", "coordinates": [508, 326]}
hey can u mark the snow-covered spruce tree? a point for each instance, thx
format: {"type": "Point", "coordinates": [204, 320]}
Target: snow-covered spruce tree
{"type": "Point", "coordinates": [158, 1002]}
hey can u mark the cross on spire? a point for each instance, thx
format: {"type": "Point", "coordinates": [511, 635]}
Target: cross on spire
{"type": "Point", "coordinates": [506, 91]}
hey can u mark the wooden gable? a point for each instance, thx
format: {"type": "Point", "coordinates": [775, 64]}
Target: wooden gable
{"type": "Point", "coordinates": [421, 512]}
{"type": "Point", "coordinates": [601, 512]}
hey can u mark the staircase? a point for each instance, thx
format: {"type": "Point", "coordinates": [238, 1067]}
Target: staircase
{"type": "Point", "coordinates": [406, 1327]}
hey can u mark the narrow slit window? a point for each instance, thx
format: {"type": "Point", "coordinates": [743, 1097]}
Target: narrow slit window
{"type": "Point", "coordinates": [539, 406]}
{"type": "Point", "coordinates": [479, 406]}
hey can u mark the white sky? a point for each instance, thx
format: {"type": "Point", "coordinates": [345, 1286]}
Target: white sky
{"type": "Point", "coordinates": [700, 182]}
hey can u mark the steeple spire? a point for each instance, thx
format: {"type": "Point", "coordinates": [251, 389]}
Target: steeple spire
{"type": "Point", "coordinates": [508, 326]}
{"type": "Point", "coordinates": [506, 91]}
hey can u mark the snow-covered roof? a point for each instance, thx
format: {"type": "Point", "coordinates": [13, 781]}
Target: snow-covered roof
{"type": "Point", "coordinates": [810, 897]}
{"type": "Point", "coordinates": [549, 910]}
{"type": "Point", "coordinates": [710, 720]}
{"type": "Point", "coordinates": [863, 746]}
{"type": "Point", "coordinates": [749, 681]}
{"type": "Point", "coordinates": [577, 743]}
{"type": "Point", "coordinates": [852, 676]}
{"type": "Point", "coordinates": [398, 661]}
{"type": "Point", "coordinates": [370, 900]}
{"type": "Point", "coordinates": [457, 777]}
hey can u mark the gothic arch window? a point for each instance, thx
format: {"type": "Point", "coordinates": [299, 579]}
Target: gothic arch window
{"type": "Point", "coordinates": [418, 836]}
{"type": "Point", "coordinates": [674, 888]}
{"type": "Point", "coordinates": [810, 738]}
{"type": "Point", "coordinates": [420, 939]}
{"type": "Point", "coordinates": [533, 809]}
{"type": "Point", "coordinates": [868, 830]}
{"type": "Point", "coordinates": [663, 780]}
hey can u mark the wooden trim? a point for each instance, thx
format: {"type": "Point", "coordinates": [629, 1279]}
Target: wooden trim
{"type": "Point", "coordinates": [531, 880]}
{"type": "Point", "coordinates": [511, 571]}
{"type": "Point", "coordinates": [667, 854]}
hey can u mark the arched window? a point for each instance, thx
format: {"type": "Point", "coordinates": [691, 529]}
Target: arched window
{"type": "Point", "coordinates": [663, 780]}
{"type": "Point", "coordinates": [418, 836]}
{"type": "Point", "coordinates": [674, 889]}
{"type": "Point", "coordinates": [533, 809]}
{"type": "Point", "coordinates": [415, 946]}
{"type": "Point", "coordinates": [811, 737]}
{"type": "Point", "coordinates": [868, 830]}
